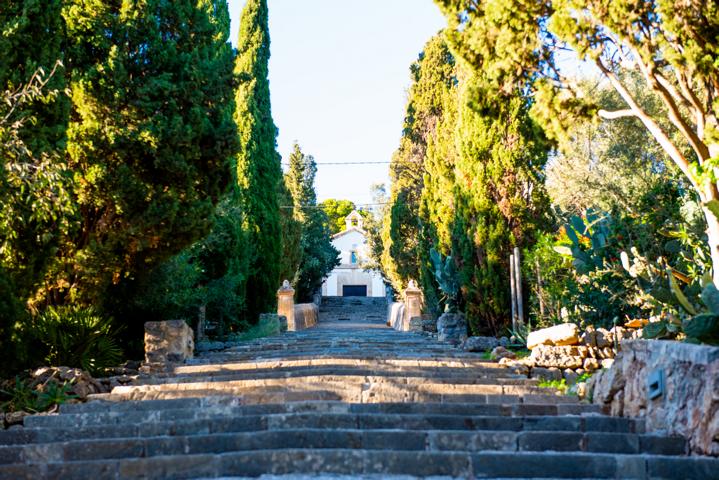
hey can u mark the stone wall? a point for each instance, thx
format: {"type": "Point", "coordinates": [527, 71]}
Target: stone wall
{"type": "Point", "coordinates": [306, 315]}
{"type": "Point", "coordinates": [689, 405]}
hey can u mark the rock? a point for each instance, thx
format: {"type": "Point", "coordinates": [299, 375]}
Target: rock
{"type": "Point", "coordinates": [546, 373]}
{"type": "Point", "coordinates": [559, 335]}
{"type": "Point", "coordinates": [595, 338]}
{"type": "Point", "coordinates": [517, 367]}
{"type": "Point", "coordinates": [479, 344]}
{"type": "Point", "coordinates": [570, 376]}
{"type": "Point", "coordinates": [429, 324]}
{"type": "Point", "coordinates": [499, 353]}
{"type": "Point", "coordinates": [82, 383]}
{"type": "Point", "coordinates": [15, 418]}
{"type": "Point", "coordinates": [503, 342]}
{"type": "Point", "coordinates": [607, 363]}
{"type": "Point", "coordinates": [560, 357]}
{"type": "Point", "coordinates": [591, 364]}
{"type": "Point", "coordinates": [415, 324]}
{"type": "Point", "coordinates": [167, 342]}
{"type": "Point", "coordinates": [452, 328]}
{"type": "Point", "coordinates": [581, 390]}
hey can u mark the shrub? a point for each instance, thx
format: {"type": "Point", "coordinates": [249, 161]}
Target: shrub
{"type": "Point", "coordinates": [76, 337]}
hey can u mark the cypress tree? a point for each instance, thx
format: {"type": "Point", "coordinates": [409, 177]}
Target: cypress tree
{"type": "Point", "coordinates": [150, 138]}
{"type": "Point", "coordinates": [404, 227]}
{"type": "Point", "coordinates": [317, 254]}
{"type": "Point", "coordinates": [500, 198]}
{"type": "Point", "coordinates": [258, 163]}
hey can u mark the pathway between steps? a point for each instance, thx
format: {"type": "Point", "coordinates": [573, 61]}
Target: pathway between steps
{"type": "Point", "coordinates": [349, 398]}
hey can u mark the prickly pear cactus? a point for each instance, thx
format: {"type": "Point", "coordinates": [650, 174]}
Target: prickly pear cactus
{"type": "Point", "coordinates": [447, 276]}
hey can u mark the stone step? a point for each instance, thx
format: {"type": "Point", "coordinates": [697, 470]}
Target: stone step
{"type": "Point", "coordinates": [364, 439]}
{"type": "Point", "coordinates": [357, 462]}
{"type": "Point", "coordinates": [496, 416]}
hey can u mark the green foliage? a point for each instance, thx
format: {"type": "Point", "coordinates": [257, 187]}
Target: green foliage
{"type": "Point", "coordinates": [405, 244]}
{"type": "Point", "coordinates": [317, 254]}
{"type": "Point", "coordinates": [150, 137]}
{"type": "Point", "coordinates": [266, 327]}
{"type": "Point", "coordinates": [559, 385]}
{"type": "Point", "coordinates": [258, 164]}
{"type": "Point", "coordinates": [22, 397]}
{"type": "Point", "coordinates": [337, 211]}
{"type": "Point", "coordinates": [75, 337]}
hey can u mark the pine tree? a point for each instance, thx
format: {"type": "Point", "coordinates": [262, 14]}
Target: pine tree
{"type": "Point", "coordinates": [317, 254]}
{"type": "Point", "coordinates": [258, 163]}
{"type": "Point", "coordinates": [150, 140]}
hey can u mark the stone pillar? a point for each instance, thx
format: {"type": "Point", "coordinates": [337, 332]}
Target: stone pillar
{"type": "Point", "coordinates": [286, 304]}
{"type": "Point", "coordinates": [412, 304]}
{"type": "Point", "coordinates": [167, 343]}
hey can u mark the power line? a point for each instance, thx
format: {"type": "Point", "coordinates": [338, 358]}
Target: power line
{"type": "Point", "coordinates": [344, 163]}
{"type": "Point", "coordinates": [358, 206]}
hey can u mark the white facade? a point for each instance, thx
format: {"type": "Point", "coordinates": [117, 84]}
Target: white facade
{"type": "Point", "coordinates": [349, 278]}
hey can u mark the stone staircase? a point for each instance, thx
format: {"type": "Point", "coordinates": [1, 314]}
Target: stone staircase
{"type": "Point", "coordinates": [346, 398]}
{"type": "Point", "coordinates": [368, 309]}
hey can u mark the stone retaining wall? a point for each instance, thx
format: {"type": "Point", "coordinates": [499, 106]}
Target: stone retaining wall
{"type": "Point", "coordinates": [306, 315]}
{"type": "Point", "coordinates": [689, 405]}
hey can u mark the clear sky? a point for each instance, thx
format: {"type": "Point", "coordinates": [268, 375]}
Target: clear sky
{"type": "Point", "coordinates": [339, 73]}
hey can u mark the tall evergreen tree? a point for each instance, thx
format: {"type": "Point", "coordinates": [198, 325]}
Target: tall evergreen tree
{"type": "Point", "coordinates": [150, 138]}
{"type": "Point", "coordinates": [258, 163]}
{"type": "Point", "coordinates": [317, 254]}
{"type": "Point", "coordinates": [432, 77]}
{"type": "Point", "coordinates": [500, 198]}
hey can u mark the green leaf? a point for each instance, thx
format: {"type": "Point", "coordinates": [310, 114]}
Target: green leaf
{"type": "Point", "coordinates": [654, 330]}
{"type": "Point", "coordinates": [704, 327]}
{"type": "Point", "coordinates": [571, 234]}
{"type": "Point", "coordinates": [710, 297]}
{"type": "Point", "coordinates": [578, 224]}
{"type": "Point", "coordinates": [683, 300]}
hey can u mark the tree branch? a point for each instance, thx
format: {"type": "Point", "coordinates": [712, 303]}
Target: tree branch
{"type": "Point", "coordinates": [674, 153]}
{"type": "Point", "coordinates": [612, 115]}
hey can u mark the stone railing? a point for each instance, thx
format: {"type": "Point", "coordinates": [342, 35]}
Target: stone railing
{"type": "Point", "coordinates": [673, 385]}
{"type": "Point", "coordinates": [400, 314]}
{"type": "Point", "coordinates": [300, 316]}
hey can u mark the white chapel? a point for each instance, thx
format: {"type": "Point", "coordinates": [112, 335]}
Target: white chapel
{"type": "Point", "coordinates": [349, 279]}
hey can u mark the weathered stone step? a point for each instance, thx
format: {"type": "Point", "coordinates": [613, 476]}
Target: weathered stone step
{"type": "Point", "coordinates": [352, 375]}
{"type": "Point", "coordinates": [365, 439]}
{"type": "Point", "coordinates": [355, 462]}
{"type": "Point", "coordinates": [490, 417]}
{"type": "Point", "coordinates": [198, 365]}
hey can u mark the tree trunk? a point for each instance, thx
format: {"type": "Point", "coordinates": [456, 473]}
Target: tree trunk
{"type": "Point", "coordinates": [713, 238]}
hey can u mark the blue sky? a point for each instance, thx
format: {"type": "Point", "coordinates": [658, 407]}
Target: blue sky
{"type": "Point", "coordinates": [338, 77]}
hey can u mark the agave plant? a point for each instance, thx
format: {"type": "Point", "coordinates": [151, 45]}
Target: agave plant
{"type": "Point", "coordinates": [447, 276]}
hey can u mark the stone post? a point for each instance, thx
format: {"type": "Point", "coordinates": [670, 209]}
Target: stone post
{"type": "Point", "coordinates": [286, 304]}
{"type": "Point", "coordinates": [412, 304]}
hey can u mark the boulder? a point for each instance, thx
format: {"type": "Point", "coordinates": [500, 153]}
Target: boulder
{"type": "Point", "coordinates": [559, 335]}
{"type": "Point", "coordinates": [479, 344]}
{"type": "Point", "coordinates": [504, 342]}
{"type": "Point", "coordinates": [452, 328]}
{"type": "Point", "coordinates": [560, 357]}
{"type": "Point", "coordinates": [498, 353]}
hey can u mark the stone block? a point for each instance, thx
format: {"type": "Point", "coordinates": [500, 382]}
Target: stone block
{"type": "Point", "coordinates": [559, 357]}
{"type": "Point", "coordinates": [452, 328]}
{"type": "Point", "coordinates": [306, 315]}
{"type": "Point", "coordinates": [559, 335]}
{"type": "Point", "coordinates": [166, 342]}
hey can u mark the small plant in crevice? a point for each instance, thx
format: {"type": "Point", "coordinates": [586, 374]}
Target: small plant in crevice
{"type": "Point", "coordinates": [22, 396]}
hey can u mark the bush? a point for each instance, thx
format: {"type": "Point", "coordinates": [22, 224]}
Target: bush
{"type": "Point", "coordinates": [76, 337]}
